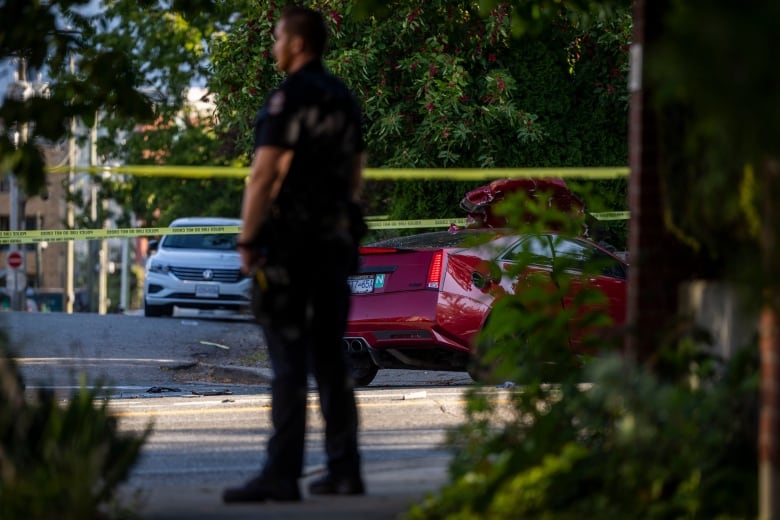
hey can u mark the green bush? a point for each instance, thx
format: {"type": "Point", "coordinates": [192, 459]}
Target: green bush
{"type": "Point", "coordinates": [631, 445]}
{"type": "Point", "coordinates": [597, 437]}
{"type": "Point", "coordinates": [58, 460]}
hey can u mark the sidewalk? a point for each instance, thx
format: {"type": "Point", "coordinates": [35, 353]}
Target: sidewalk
{"type": "Point", "coordinates": [392, 486]}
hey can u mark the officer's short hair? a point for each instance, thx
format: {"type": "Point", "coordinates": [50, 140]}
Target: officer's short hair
{"type": "Point", "coordinates": [308, 24]}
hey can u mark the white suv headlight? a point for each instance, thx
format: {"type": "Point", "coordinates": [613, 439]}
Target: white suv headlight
{"type": "Point", "coordinates": [159, 267]}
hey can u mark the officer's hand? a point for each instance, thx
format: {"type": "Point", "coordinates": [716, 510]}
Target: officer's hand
{"type": "Point", "coordinates": [250, 259]}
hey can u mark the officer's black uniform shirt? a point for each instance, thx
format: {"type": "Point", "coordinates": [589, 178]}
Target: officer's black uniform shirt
{"type": "Point", "coordinates": [315, 115]}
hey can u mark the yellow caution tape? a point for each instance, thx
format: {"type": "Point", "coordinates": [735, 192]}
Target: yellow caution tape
{"type": "Point", "coordinates": [65, 235]}
{"type": "Point", "coordinates": [611, 215]}
{"type": "Point", "coordinates": [477, 174]}
{"type": "Point", "coordinates": [460, 174]}
{"type": "Point", "coordinates": [410, 224]}
{"type": "Point", "coordinates": [192, 172]}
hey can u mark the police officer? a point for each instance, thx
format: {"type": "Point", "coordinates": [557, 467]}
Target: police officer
{"type": "Point", "coordinates": [298, 239]}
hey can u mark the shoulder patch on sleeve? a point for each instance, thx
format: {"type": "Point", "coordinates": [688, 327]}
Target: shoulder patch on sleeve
{"type": "Point", "coordinates": [276, 103]}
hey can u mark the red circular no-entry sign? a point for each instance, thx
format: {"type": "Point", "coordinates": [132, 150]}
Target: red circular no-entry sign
{"type": "Point", "coordinates": [14, 260]}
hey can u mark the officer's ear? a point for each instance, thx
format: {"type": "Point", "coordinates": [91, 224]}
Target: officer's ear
{"type": "Point", "coordinates": [297, 44]}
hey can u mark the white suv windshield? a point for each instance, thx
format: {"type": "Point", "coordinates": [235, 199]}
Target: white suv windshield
{"type": "Point", "coordinates": [221, 242]}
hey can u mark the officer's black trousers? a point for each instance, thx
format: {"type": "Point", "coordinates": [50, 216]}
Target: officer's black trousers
{"type": "Point", "coordinates": [304, 328]}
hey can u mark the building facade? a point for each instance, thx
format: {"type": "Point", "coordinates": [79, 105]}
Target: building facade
{"type": "Point", "coordinates": [44, 263]}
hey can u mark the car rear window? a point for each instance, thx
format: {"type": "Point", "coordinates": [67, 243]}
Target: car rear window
{"type": "Point", "coordinates": [577, 254]}
{"type": "Point", "coordinates": [437, 239]}
{"type": "Point", "coordinates": [220, 242]}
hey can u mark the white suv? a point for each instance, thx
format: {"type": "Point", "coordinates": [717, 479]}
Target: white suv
{"type": "Point", "coordinates": [200, 271]}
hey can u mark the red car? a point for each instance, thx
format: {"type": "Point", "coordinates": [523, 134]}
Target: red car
{"type": "Point", "coordinates": [479, 202]}
{"type": "Point", "coordinates": [419, 301]}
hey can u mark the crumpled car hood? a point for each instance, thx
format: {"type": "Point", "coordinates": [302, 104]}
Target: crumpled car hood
{"type": "Point", "coordinates": [479, 202]}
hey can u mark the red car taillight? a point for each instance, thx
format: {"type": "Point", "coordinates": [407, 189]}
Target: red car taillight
{"type": "Point", "coordinates": [434, 270]}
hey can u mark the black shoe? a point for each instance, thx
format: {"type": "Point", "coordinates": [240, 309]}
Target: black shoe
{"type": "Point", "coordinates": [261, 488]}
{"type": "Point", "coordinates": [337, 485]}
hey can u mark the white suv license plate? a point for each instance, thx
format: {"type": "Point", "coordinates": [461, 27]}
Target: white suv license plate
{"type": "Point", "coordinates": [361, 284]}
{"type": "Point", "coordinates": [203, 290]}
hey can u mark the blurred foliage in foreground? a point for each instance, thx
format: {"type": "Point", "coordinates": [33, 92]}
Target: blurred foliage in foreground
{"type": "Point", "coordinates": [586, 432]}
{"type": "Point", "coordinates": [60, 460]}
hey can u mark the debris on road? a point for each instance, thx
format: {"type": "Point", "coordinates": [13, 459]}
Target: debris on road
{"type": "Point", "coordinates": [183, 366]}
{"type": "Point", "coordinates": [225, 347]}
{"type": "Point", "coordinates": [212, 392]}
{"type": "Point", "coordinates": [161, 389]}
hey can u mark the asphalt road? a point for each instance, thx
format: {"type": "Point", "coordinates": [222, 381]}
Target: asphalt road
{"type": "Point", "coordinates": [57, 349]}
{"type": "Point", "coordinates": [201, 445]}
{"type": "Point", "coordinates": [210, 426]}
{"type": "Point", "coordinates": [132, 353]}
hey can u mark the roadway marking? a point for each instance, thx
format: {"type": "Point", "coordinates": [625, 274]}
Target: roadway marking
{"type": "Point", "coordinates": [267, 407]}
{"type": "Point", "coordinates": [40, 360]}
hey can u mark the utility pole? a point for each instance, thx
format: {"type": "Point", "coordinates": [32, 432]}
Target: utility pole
{"type": "Point", "coordinates": [103, 251]}
{"type": "Point", "coordinates": [124, 299]}
{"type": "Point", "coordinates": [39, 247]}
{"type": "Point", "coordinates": [70, 218]}
{"type": "Point", "coordinates": [769, 349]}
{"type": "Point", "coordinates": [124, 283]}
{"type": "Point", "coordinates": [17, 281]}
{"type": "Point", "coordinates": [91, 249]}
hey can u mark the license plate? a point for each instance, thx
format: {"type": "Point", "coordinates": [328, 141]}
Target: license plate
{"type": "Point", "coordinates": [361, 284]}
{"type": "Point", "coordinates": [203, 290]}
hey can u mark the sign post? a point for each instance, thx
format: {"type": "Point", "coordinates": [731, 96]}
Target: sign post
{"type": "Point", "coordinates": [15, 276]}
